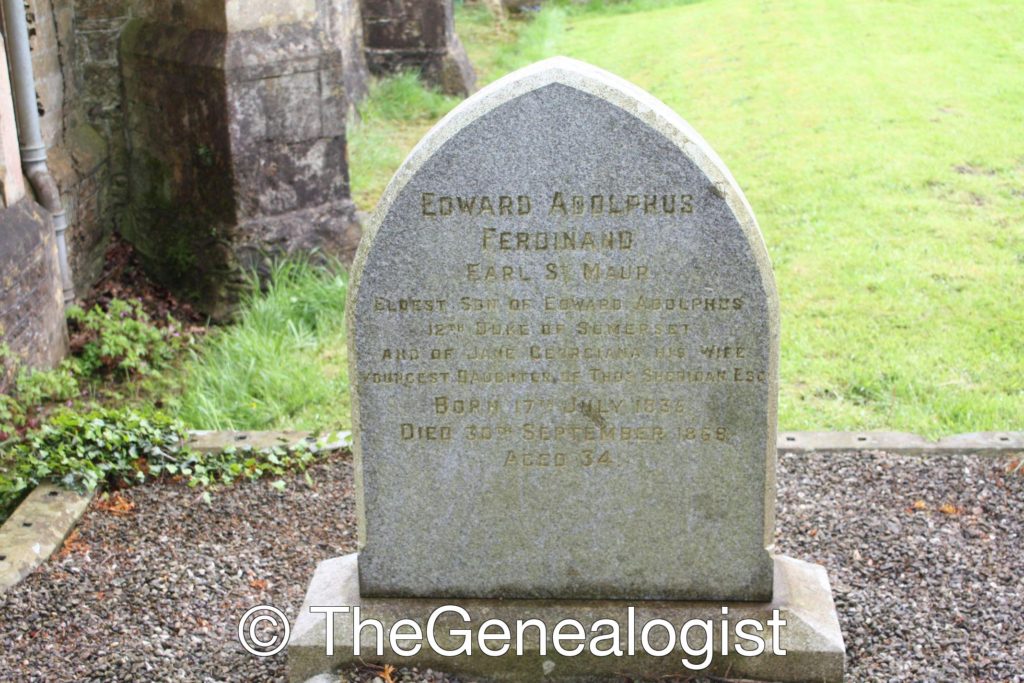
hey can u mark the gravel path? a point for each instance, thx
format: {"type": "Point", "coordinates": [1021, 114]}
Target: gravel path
{"type": "Point", "coordinates": [926, 557]}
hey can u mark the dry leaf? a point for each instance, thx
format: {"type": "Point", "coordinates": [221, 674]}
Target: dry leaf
{"type": "Point", "coordinates": [916, 506]}
{"type": "Point", "coordinates": [73, 545]}
{"type": "Point", "coordinates": [949, 509]}
{"type": "Point", "coordinates": [116, 504]}
{"type": "Point", "coordinates": [259, 584]}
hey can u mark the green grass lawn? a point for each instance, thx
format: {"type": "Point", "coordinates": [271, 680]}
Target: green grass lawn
{"type": "Point", "coordinates": [881, 144]}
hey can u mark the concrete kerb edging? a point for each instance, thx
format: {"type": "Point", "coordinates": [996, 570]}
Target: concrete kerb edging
{"type": "Point", "coordinates": [36, 529]}
{"type": "Point", "coordinates": [216, 441]}
{"type": "Point", "coordinates": [901, 443]}
{"type": "Point", "coordinates": [45, 518]}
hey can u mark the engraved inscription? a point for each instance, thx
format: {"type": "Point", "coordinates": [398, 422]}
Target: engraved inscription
{"type": "Point", "coordinates": [587, 322]}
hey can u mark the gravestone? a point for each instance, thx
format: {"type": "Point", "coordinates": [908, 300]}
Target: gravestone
{"type": "Point", "coordinates": [564, 359]}
{"type": "Point", "coordinates": [568, 325]}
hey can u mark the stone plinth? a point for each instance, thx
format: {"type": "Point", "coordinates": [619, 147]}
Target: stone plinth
{"type": "Point", "coordinates": [810, 637]}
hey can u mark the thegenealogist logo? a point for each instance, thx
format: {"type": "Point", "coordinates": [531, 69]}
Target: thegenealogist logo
{"type": "Point", "coordinates": [696, 638]}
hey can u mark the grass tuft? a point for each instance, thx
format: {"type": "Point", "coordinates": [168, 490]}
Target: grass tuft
{"type": "Point", "coordinates": [282, 365]}
{"type": "Point", "coordinates": [404, 97]}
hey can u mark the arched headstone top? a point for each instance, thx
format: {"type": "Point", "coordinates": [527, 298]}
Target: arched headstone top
{"type": "Point", "coordinates": [588, 79]}
{"type": "Point", "coordinates": [563, 335]}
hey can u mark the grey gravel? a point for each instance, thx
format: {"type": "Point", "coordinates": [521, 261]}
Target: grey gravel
{"type": "Point", "coordinates": [922, 594]}
{"type": "Point", "coordinates": [155, 594]}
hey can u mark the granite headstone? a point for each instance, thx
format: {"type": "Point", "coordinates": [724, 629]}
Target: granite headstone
{"type": "Point", "coordinates": [564, 343]}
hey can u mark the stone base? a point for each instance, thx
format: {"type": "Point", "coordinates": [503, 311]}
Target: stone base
{"type": "Point", "coordinates": [447, 68]}
{"type": "Point", "coordinates": [811, 636]}
{"type": "Point", "coordinates": [452, 72]}
{"type": "Point", "coordinates": [330, 229]}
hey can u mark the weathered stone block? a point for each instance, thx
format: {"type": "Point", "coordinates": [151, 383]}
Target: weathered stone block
{"type": "Point", "coordinates": [335, 104]}
{"type": "Point", "coordinates": [102, 85]}
{"type": "Point", "coordinates": [417, 35]}
{"type": "Point", "coordinates": [402, 25]}
{"type": "Point", "coordinates": [100, 44]}
{"type": "Point", "coordinates": [286, 121]}
{"type": "Point", "coordinates": [31, 295]}
{"type": "Point", "coordinates": [345, 31]}
{"type": "Point", "coordinates": [215, 174]}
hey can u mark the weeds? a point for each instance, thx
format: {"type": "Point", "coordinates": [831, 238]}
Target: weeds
{"type": "Point", "coordinates": [111, 348]}
{"type": "Point", "coordinates": [120, 340]}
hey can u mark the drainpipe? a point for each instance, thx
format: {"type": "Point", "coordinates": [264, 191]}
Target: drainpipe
{"type": "Point", "coordinates": [33, 151]}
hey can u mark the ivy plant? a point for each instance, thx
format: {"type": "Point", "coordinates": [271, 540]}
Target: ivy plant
{"type": "Point", "coordinates": [84, 450]}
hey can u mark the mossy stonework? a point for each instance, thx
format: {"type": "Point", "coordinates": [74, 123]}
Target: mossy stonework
{"type": "Point", "coordinates": [417, 35]}
{"type": "Point", "coordinates": [31, 297]}
{"type": "Point", "coordinates": [249, 162]}
{"type": "Point", "coordinates": [32, 329]}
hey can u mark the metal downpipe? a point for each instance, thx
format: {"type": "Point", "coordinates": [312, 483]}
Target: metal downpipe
{"type": "Point", "coordinates": [33, 151]}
